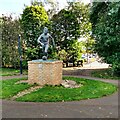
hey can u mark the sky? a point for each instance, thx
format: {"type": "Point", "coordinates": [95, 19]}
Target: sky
{"type": "Point", "coordinates": [16, 6]}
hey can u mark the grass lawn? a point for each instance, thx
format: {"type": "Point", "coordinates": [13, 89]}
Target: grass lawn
{"type": "Point", "coordinates": [9, 88]}
{"type": "Point", "coordinates": [10, 72]}
{"type": "Point", "coordinates": [106, 74]}
{"type": "Point", "coordinates": [90, 89]}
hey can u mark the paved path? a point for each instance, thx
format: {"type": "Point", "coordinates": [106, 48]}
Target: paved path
{"type": "Point", "coordinates": [105, 107]}
{"type": "Point", "coordinates": [12, 77]}
{"type": "Point", "coordinates": [87, 77]}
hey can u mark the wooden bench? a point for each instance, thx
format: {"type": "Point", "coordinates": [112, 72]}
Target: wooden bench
{"type": "Point", "coordinates": [80, 63]}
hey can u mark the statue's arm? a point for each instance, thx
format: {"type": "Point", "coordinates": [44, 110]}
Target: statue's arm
{"type": "Point", "coordinates": [39, 40]}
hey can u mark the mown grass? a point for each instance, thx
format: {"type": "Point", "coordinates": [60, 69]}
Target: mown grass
{"type": "Point", "coordinates": [10, 71]}
{"type": "Point", "coordinates": [9, 88]}
{"type": "Point", "coordinates": [105, 74]}
{"type": "Point", "coordinates": [90, 89]}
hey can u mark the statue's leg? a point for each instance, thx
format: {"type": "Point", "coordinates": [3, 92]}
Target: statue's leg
{"type": "Point", "coordinates": [43, 50]}
{"type": "Point", "coordinates": [46, 50]}
{"type": "Point", "coordinates": [44, 57]}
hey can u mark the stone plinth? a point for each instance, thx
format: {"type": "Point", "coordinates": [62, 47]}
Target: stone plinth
{"type": "Point", "coordinates": [45, 72]}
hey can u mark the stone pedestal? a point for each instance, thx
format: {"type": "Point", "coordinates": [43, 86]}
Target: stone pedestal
{"type": "Point", "coordinates": [45, 72]}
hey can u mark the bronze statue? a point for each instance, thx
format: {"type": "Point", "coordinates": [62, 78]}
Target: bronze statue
{"type": "Point", "coordinates": [44, 40]}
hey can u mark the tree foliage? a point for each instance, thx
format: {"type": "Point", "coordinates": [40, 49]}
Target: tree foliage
{"type": "Point", "coordinates": [69, 25]}
{"type": "Point", "coordinates": [33, 19]}
{"type": "Point", "coordinates": [81, 12]}
{"type": "Point", "coordinates": [10, 32]}
{"type": "Point", "coordinates": [65, 30]}
{"type": "Point", "coordinates": [105, 18]}
{"type": "Point", "coordinates": [66, 27]}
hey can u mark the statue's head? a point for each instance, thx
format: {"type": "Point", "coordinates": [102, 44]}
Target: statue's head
{"type": "Point", "coordinates": [45, 30]}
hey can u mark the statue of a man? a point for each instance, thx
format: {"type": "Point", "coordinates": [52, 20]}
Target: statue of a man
{"type": "Point", "coordinates": [44, 40]}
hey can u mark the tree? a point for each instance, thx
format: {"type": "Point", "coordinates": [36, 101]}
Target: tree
{"type": "Point", "coordinates": [105, 18]}
{"type": "Point", "coordinates": [65, 29]}
{"type": "Point", "coordinates": [53, 7]}
{"type": "Point", "coordinates": [33, 19]}
{"type": "Point", "coordinates": [81, 12]}
{"type": "Point", "coordinates": [10, 32]}
{"type": "Point", "coordinates": [67, 26]}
